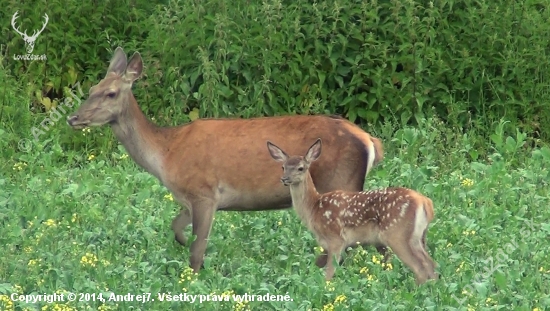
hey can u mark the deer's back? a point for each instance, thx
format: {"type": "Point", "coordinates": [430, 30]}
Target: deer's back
{"type": "Point", "coordinates": [228, 158]}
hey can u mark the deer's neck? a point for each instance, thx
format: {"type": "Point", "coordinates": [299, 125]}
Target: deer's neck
{"type": "Point", "coordinates": [145, 142]}
{"type": "Point", "coordinates": [304, 197]}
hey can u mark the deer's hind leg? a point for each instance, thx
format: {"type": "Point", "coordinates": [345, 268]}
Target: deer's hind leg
{"type": "Point", "coordinates": [180, 222]}
{"type": "Point", "coordinates": [429, 263]}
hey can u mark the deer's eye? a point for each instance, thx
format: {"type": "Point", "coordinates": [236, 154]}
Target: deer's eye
{"type": "Point", "coordinates": [301, 169]}
{"type": "Point", "coordinates": [111, 94]}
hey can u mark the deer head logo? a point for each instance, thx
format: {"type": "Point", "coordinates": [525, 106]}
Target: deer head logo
{"type": "Point", "coordinates": [29, 40]}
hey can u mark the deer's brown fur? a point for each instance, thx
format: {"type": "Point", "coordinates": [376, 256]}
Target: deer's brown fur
{"type": "Point", "coordinates": [221, 164]}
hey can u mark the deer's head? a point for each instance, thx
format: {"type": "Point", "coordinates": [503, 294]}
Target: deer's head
{"type": "Point", "coordinates": [29, 40]}
{"type": "Point", "coordinates": [110, 97]}
{"type": "Point", "coordinates": [295, 168]}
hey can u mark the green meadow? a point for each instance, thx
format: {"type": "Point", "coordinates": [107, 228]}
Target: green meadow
{"type": "Point", "coordinates": [87, 222]}
{"type": "Point", "coordinates": [457, 91]}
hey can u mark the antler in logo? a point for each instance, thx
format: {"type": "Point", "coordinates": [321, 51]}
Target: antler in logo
{"type": "Point", "coordinates": [29, 40]}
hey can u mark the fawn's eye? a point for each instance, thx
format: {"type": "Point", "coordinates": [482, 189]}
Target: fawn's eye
{"type": "Point", "coordinates": [301, 169]}
{"type": "Point", "coordinates": [111, 94]}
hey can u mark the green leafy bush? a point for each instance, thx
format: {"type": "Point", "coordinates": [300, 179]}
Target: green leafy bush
{"type": "Point", "coordinates": [373, 60]}
{"type": "Point", "coordinates": [78, 41]}
{"type": "Point", "coordinates": [469, 62]}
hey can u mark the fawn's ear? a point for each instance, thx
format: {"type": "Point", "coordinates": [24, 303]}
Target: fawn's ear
{"type": "Point", "coordinates": [314, 151]}
{"type": "Point", "coordinates": [276, 152]}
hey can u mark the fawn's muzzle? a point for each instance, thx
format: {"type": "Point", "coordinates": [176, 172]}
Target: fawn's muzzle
{"type": "Point", "coordinates": [285, 181]}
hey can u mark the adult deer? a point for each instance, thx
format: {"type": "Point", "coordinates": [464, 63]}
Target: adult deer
{"type": "Point", "coordinates": [220, 164]}
{"type": "Point", "coordinates": [394, 217]}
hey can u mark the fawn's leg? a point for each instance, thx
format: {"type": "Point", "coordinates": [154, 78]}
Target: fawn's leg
{"type": "Point", "coordinates": [410, 258]}
{"type": "Point", "coordinates": [429, 264]}
{"type": "Point", "coordinates": [383, 250]}
{"type": "Point", "coordinates": [322, 259]}
{"type": "Point", "coordinates": [334, 249]}
{"type": "Point", "coordinates": [425, 251]}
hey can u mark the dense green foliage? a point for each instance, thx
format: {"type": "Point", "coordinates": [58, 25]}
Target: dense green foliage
{"type": "Point", "coordinates": [469, 61]}
{"type": "Point", "coordinates": [457, 92]}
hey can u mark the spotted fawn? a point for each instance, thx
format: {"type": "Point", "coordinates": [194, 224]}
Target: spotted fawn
{"type": "Point", "coordinates": [393, 217]}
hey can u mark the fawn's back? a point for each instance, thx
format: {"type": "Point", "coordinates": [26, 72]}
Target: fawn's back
{"type": "Point", "coordinates": [362, 216]}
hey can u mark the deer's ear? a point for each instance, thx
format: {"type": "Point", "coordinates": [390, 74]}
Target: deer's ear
{"type": "Point", "coordinates": [118, 62]}
{"type": "Point", "coordinates": [135, 66]}
{"type": "Point", "coordinates": [314, 151]}
{"type": "Point", "coordinates": [276, 153]}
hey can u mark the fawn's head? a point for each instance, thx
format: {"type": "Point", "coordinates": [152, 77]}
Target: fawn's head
{"type": "Point", "coordinates": [295, 167]}
{"type": "Point", "coordinates": [110, 97]}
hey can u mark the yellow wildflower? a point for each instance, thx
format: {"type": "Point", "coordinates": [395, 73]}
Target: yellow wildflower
{"type": "Point", "coordinates": [89, 259]}
{"type": "Point", "coordinates": [328, 307]}
{"type": "Point", "coordinates": [340, 299]}
{"type": "Point", "coordinates": [6, 302]}
{"type": "Point", "coordinates": [50, 223]}
{"type": "Point", "coordinates": [460, 266]}
{"type": "Point", "coordinates": [19, 166]}
{"type": "Point", "coordinates": [169, 197]}
{"type": "Point", "coordinates": [329, 286]}
{"type": "Point", "coordinates": [91, 157]}
{"type": "Point", "coordinates": [241, 306]}
{"type": "Point", "coordinates": [467, 182]}
{"type": "Point", "coordinates": [57, 307]}
{"type": "Point", "coordinates": [228, 293]}
{"type": "Point", "coordinates": [187, 275]}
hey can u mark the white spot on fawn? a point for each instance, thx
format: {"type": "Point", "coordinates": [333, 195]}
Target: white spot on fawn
{"type": "Point", "coordinates": [403, 209]}
{"type": "Point", "coordinates": [327, 214]}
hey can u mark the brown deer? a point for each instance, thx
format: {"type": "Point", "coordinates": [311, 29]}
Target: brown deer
{"type": "Point", "coordinates": [394, 217]}
{"type": "Point", "coordinates": [200, 165]}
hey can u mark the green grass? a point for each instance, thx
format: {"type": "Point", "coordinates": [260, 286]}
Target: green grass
{"type": "Point", "coordinates": [79, 222]}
